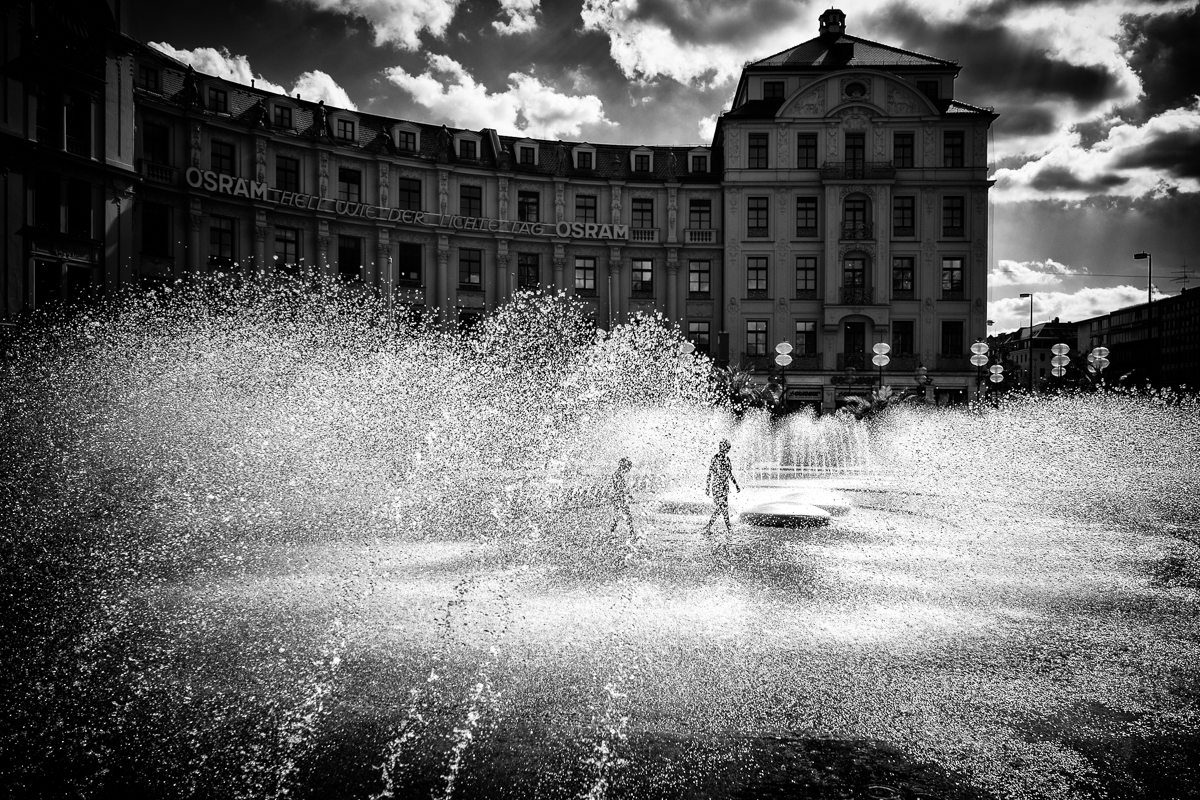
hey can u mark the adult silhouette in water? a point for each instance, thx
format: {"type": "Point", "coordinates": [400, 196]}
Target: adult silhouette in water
{"type": "Point", "coordinates": [622, 497]}
{"type": "Point", "coordinates": [720, 474]}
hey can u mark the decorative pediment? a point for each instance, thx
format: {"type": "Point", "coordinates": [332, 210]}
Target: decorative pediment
{"type": "Point", "coordinates": [808, 102]}
{"type": "Point", "coordinates": [904, 101]}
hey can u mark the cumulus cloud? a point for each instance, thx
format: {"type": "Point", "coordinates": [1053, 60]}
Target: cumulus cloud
{"type": "Point", "coordinates": [313, 85]}
{"type": "Point", "coordinates": [1010, 313]}
{"type": "Point", "coordinates": [1028, 273]}
{"type": "Point", "coordinates": [527, 107]}
{"type": "Point", "coordinates": [708, 126]}
{"type": "Point", "coordinates": [397, 22]}
{"type": "Point", "coordinates": [518, 16]}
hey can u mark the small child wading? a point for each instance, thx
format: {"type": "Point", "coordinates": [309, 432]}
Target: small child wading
{"type": "Point", "coordinates": [720, 474]}
{"type": "Point", "coordinates": [622, 497]}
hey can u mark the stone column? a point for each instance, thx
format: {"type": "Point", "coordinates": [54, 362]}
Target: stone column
{"type": "Point", "coordinates": [560, 262]}
{"type": "Point", "coordinates": [384, 276]}
{"type": "Point", "coordinates": [673, 286]}
{"type": "Point", "coordinates": [195, 220]}
{"type": "Point", "coordinates": [614, 291]}
{"type": "Point", "coordinates": [603, 309]}
{"type": "Point", "coordinates": [260, 244]}
{"type": "Point", "coordinates": [444, 305]}
{"type": "Point", "coordinates": [504, 289]}
{"type": "Point", "coordinates": [322, 271]}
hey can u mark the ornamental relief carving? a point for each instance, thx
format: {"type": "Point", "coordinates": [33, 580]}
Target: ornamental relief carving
{"type": "Point", "coordinates": [782, 250]}
{"type": "Point", "coordinates": [863, 247]}
{"type": "Point", "coordinates": [880, 147]}
{"type": "Point", "coordinates": [979, 249]}
{"type": "Point", "coordinates": [855, 119]}
{"type": "Point", "coordinates": [414, 174]}
{"type": "Point", "coordinates": [980, 201]}
{"type": "Point", "coordinates": [781, 146]}
{"type": "Point", "coordinates": [196, 137]}
{"type": "Point", "coordinates": [812, 104]}
{"type": "Point", "coordinates": [844, 191]}
{"type": "Point", "coordinates": [980, 147]}
{"type": "Point", "coordinates": [641, 194]}
{"type": "Point", "coordinates": [929, 249]}
{"type": "Point", "coordinates": [525, 186]}
{"type": "Point", "coordinates": [901, 101]}
{"type": "Point", "coordinates": [411, 238]}
{"type": "Point", "coordinates": [930, 143]}
{"type": "Point", "coordinates": [863, 81]}
{"type": "Point", "coordinates": [616, 203]}
{"type": "Point", "coordinates": [443, 191]}
{"type": "Point", "coordinates": [384, 184]}
{"type": "Point", "coordinates": [831, 141]}
{"type": "Point", "coordinates": [734, 145]}
{"type": "Point", "coordinates": [260, 160]}
{"type": "Point", "coordinates": [928, 196]}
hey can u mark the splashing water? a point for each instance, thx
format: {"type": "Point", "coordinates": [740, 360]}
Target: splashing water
{"type": "Point", "coordinates": [260, 542]}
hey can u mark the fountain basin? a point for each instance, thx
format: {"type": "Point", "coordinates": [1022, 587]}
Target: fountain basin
{"type": "Point", "coordinates": [785, 514]}
{"type": "Point", "coordinates": [831, 504]}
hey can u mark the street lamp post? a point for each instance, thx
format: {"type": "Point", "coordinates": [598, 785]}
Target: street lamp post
{"type": "Point", "coordinates": [979, 359]}
{"type": "Point", "coordinates": [783, 357]}
{"type": "Point", "coordinates": [1149, 302]}
{"type": "Point", "coordinates": [881, 359]}
{"type": "Point", "coordinates": [1149, 267]}
{"type": "Point", "coordinates": [1030, 296]}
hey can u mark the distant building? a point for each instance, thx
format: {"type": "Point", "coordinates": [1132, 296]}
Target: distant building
{"type": "Point", "coordinates": [1029, 349]}
{"type": "Point", "coordinates": [1153, 343]}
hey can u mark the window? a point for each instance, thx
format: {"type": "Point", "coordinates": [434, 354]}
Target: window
{"type": "Point", "coordinates": [854, 223]}
{"type": "Point", "coordinates": [283, 117]}
{"type": "Point", "coordinates": [772, 90]}
{"type": "Point", "coordinates": [156, 229]}
{"type": "Point", "coordinates": [856, 151]}
{"type": "Point", "coordinates": [466, 150]}
{"type": "Point", "coordinates": [641, 162]}
{"type": "Point", "coordinates": [525, 156]}
{"type": "Point", "coordinates": [218, 100]}
{"type": "Point", "coordinates": [287, 249]}
{"type": "Point", "coordinates": [928, 88]}
{"type": "Point", "coordinates": [854, 273]}
{"type": "Point", "coordinates": [350, 258]}
{"type": "Point", "coordinates": [699, 278]}
{"type": "Point", "coordinates": [47, 208]}
{"type": "Point", "coordinates": [470, 270]}
{"type": "Point", "coordinates": [904, 215]}
{"type": "Point", "coordinates": [585, 208]}
{"type": "Point", "coordinates": [220, 242]}
{"type": "Point", "coordinates": [902, 150]}
{"type": "Point", "coordinates": [148, 78]}
{"type": "Point", "coordinates": [806, 216]}
{"type": "Point", "coordinates": [527, 206]}
{"type": "Point", "coordinates": [408, 263]}
{"type": "Point", "coordinates": [756, 337]}
{"type": "Point", "coordinates": [806, 276]}
{"type": "Point", "coordinates": [700, 215]}
{"type": "Point", "coordinates": [952, 215]}
{"type": "Point", "coordinates": [902, 337]}
{"type": "Point", "coordinates": [952, 338]}
{"type": "Point", "coordinates": [642, 277]}
{"type": "Point", "coordinates": [406, 141]}
{"type": "Point", "coordinates": [156, 144]}
{"type": "Point", "coordinates": [642, 215]}
{"type": "Point", "coordinates": [806, 151]}
{"type": "Point", "coordinates": [222, 158]}
{"type": "Point", "coordinates": [585, 275]}
{"type": "Point", "coordinates": [287, 174]}
{"type": "Point", "coordinates": [529, 271]}
{"type": "Point", "coordinates": [903, 276]}
{"type": "Point", "coordinates": [756, 216]}
{"type": "Point", "coordinates": [756, 275]}
{"type": "Point", "coordinates": [699, 163]}
{"type": "Point", "coordinates": [583, 159]}
{"type": "Point", "coordinates": [806, 338]}
{"type": "Point", "coordinates": [699, 333]}
{"type": "Point", "coordinates": [349, 185]}
{"type": "Point", "coordinates": [758, 151]}
{"type": "Point", "coordinates": [470, 201]}
{"type": "Point", "coordinates": [408, 194]}
{"type": "Point", "coordinates": [79, 208]}
{"type": "Point", "coordinates": [952, 277]}
{"type": "Point", "coordinates": [952, 149]}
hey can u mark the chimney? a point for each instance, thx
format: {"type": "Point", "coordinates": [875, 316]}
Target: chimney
{"type": "Point", "coordinates": [833, 24]}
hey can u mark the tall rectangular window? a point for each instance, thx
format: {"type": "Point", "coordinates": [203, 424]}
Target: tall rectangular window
{"type": "Point", "coordinates": [642, 277]}
{"type": "Point", "coordinates": [218, 100]}
{"type": "Point", "coordinates": [287, 249]}
{"type": "Point", "coordinates": [953, 207]}
{"type": "Point", "coordinates": [470, 201]}
{"type": "Point", "coordinates": [642, 214]}
{"type": "Point", "coordinates": [467, 150]}
{"type": "Point", "coordinates": [349, 185]}
{"type": "Point", "coordinates": [585, 275]}
{"type": "Point", "coordinates": [903, 339]}
{"type": "Point", "coordinates": [222, 157]}
{"type": "Point", "coordinates": [806, 276]}
{"type": "Point", "coordinates": [952, 149]}
{"type": "Point", "coordinates": [772, 90]}
{"type": "Point", "coordinates": [641, 162]}
{"type": "Point", "coordinates": [79, 208]}
{"type": "Point", "coordinates": [904, 216]}
{"type": "Point", "coordinates": [526, 156]}
{"type": "Point", "coordinates": [156, 144]}
{"type": "Point", "coordinates": [156, 229]}
{"type": "Point", "coordinates": [952, 277]}
{"type": "Point", "coordinates": [585, 208]}
{"type": "Point", "coordinates": [699, 278]}
{"type": "Point", "coordinates": [902, 150]}
{"type": "Point", "coordinates": [757, 214]}
{"type": "Point", "coordinates": [699, 163]}
{"type": "Point", "coordinates": [756, 275]}
{"type": "Point", "coordinates": [350, 258]}
{"type": "Point", "coordinates": [806, 216]}
{"type": "Point", "coordinates": [529, 271]}
{"type": "Point", "coordinates": [806, 151]}
{"type": "Point", "coordinates": [527, 206]}
{"type": "Point", "coordinates": [856, 150]}
{"type": "Point", "coordinates": [408, 260]}
{"type": "Point", "coordinates": [470, 270]}
{"type": "Point", "coordinates": [583, 159]}
{"type": "Point", "coordinates": [756, 337]}
{"type": "Point", "coordinates": [47, 202]}
{"type": "Point", "coordinates": [806, 338]}
{"type": "Point", "coordinates": [406, 141]}
{"type": "Point", "coordinates": [700, 333]}
{"type": "Point", "coordinates": [148, 78]}
{"type": "Point", "coordinates": [758, 151]}
{"type": "Point", "coordinates": [700, 215]}
{"type": "Point", "coordinates": [928, 88]}
{"type": "Point", "coordinates": [855, 215]}
{"type": "Point", "coordinates": [952, 338]}
{"type": "Point", "coordinates": [221, 242]}
{"type": "Point", "coordinates": [408, 194]}
{"type": "Point", "coordinates": [903, 276]}
{"type": "Point", "coordinates": [283, 117]}
{"type": "Point", "coordinates": [287, 174]}
{"type": "Point", "coordinates": [854, 273]}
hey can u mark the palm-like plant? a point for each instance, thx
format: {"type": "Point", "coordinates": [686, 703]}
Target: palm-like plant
{"type": "Point", "coordinates": [736, 386]}
{"type": "Point", "coordinates": [875, 403]}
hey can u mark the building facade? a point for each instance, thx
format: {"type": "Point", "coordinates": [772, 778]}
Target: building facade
{"type": "Point", "coordinates": [842, 202]}
{"type": "Point", "coordinates": [1156, 344]}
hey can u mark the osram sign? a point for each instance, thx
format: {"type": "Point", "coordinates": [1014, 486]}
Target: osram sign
{"type": "Point", "coordinates": [252, 190]}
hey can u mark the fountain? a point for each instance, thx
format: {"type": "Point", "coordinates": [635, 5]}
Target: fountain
{"type": "Point", "coordinates": [259, 543]}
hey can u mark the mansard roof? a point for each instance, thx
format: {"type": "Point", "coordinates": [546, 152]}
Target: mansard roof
{"type": "Point", "coordinates": [844, 51]}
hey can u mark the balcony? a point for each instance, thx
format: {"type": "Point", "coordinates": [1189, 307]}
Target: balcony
{"type": "Point", "coordinates": [806, 233]}
{"type": "Point", "coordinates": [858, 297]}
{"type": "Point", "coordinates": [902, 362]}
{"type": "Point", "coordinates": [857, 170]}
{"type": "Point", "coordinates": [643, 234]}
{"type": "Point", "coordinates": [157, 172]}
{"type": "Point", "coordinates": [903, 294]}
{"type": "Point", "coordinates": [758, 361]}
{"type": "Point", "coordinates": [953, 294]}
{"type": "Point", "coordinates": [857, 231]}
{"type": "Point", "coordinates": [699, 236]}
{"type": "Point", "coordinates": [805, 361]}
{"type": "Point", "coordinates": [953, 232]}
{"type": "Point", "coordinates": [78, 147]}
{"type": "Point", "coordinates": [904, 230]}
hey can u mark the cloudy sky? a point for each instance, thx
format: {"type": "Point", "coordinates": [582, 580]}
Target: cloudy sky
{"type": "Point", "coordinates": [1097, 149]}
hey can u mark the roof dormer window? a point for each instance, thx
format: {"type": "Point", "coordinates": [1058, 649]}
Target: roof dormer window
{"type": "Point", "coordinates": [467, 145]}
{"type": "Point", "coordinates": [526, 151]}
{"type": "Point", "coordinates": [642, 160]}
{"type": "Point", "coordinates": [585, 156]}
{"type": "Point", "coordinates": [218, 100]}
{"type": "Point", "coordinates": [406, 137]}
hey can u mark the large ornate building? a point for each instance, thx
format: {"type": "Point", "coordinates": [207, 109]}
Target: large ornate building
{"type": "Point", "coordinates": [843, 202]}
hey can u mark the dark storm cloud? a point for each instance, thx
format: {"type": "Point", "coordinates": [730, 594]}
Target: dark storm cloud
{"type": "Point", "coordinates": [1059, 178]}
{"type": "Point", "coordinates": [709, 21]}
{"type": "Point", "coordinates": [999, 61]}
{"type": "Point", "coordinates": [1026, 121]}
{"type": "Point", "coordinates": [1177, 152]}
{"type": "Point", "coordinates": [1164, 51]}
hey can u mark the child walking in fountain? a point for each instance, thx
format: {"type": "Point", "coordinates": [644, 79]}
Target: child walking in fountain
{"type": "Point", "coordinates": [622, 497]}
{"type": "Point", "coordinates": [716, 484]}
